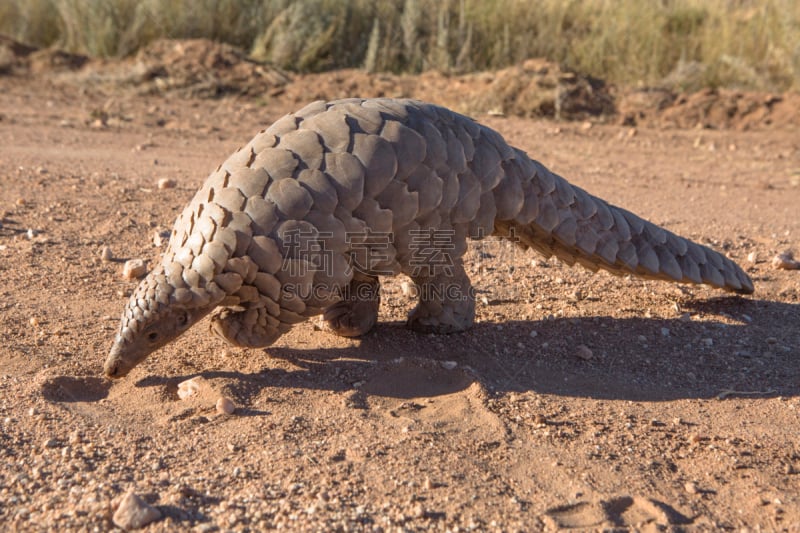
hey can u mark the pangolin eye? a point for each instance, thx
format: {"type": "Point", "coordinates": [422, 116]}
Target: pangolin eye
{"type": "Point", "coordinates": [152, 336]}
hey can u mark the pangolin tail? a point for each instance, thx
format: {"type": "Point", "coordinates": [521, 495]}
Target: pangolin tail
{"type": "Point", "coordinates": [560, 219]}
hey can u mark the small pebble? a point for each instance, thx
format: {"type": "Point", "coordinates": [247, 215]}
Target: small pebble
{"type": "Point", "coordinates": [133, 269]}
{"type": "Point", "coordinates": [665, 332]}
{"type": "Point", "coordinates": [143, 146]}
{"type": "Point", "coordinates": [160, 237]}
{"type": "Point", "coordinates": [449, 365]}
{"type": "Point", "coordinates": [408, 289]}
{"type": "Point", "coordinates": [34, 321]}
{"type": "Point", "coordinates": [355, 400]}
{"type": "Point", "coordinates": [105, 254]}
{"type": "Point", "coordinates": [583, 352]}
{"type": "Point", "coordinates": [134, 513]}
{"type": "Point", "coordinates": [707, 341]}
{"type": "Point", "coordinates": [785, 261]}
{"type": "Point", "coordinates": [167, 183]}
{"type": "Point", "coordinates": [533, 333]}
{"type": "Point", "coordinates": [31, 233]}
{"type": "Point", "coordinates": [225, 406]}
{"type": "Point", "coordinates": [188, 388]}
{"type": "Point", "coordinates": [752, 257]}
{"type": "Point", "coordinates": [691, 487]}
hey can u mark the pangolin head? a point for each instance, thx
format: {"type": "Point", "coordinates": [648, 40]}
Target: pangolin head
{"type": "Point", "coordinates": [155, 315]}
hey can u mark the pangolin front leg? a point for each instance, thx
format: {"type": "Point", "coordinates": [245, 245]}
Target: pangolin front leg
{"type": "Point", "coordinates": [246, 328]}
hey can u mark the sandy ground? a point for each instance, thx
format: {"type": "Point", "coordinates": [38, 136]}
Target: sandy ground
{"type": "Point", "coordinates": [579, 400]}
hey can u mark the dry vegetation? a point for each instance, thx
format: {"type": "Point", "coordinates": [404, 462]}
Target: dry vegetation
{"type": "Point", "coordinates": [684, 44]}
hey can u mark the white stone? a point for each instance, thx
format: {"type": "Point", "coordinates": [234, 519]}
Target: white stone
{"type": "Point", "coordinates": [225, 406]}
{"type": "Point", "coordinates": [188, 388]}
{"type": "Point", "coordinates": [134, 269]}
{"type": "Point", "coordinates": [133, 512]}
{"type": "Point", "coordinates": [167, 183]}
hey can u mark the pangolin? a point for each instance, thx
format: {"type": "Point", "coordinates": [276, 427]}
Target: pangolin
{"type": "Point", "coordinates": [304, 219]}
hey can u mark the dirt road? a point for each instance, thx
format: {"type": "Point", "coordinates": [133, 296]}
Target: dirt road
{"type": "Point", "coordinates": [578, 400]}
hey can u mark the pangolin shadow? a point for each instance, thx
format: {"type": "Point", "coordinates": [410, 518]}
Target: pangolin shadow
{"type": "Point", "coordinates": [755, 351]}
{"type": "Point", "coordinates": [68, 389]}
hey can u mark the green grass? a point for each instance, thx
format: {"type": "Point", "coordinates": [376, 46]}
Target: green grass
{"type": "Point", "coordinates": [682, 43]}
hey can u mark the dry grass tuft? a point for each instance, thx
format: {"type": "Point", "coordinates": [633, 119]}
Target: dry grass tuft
{"type": "Point", "coordinates": [684, 44]}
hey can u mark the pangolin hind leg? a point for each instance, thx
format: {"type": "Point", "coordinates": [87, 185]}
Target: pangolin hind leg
{"type": "Point", "coordinates": [446, 301]}
{"type": "Point", "coordinates": [357, 312]}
